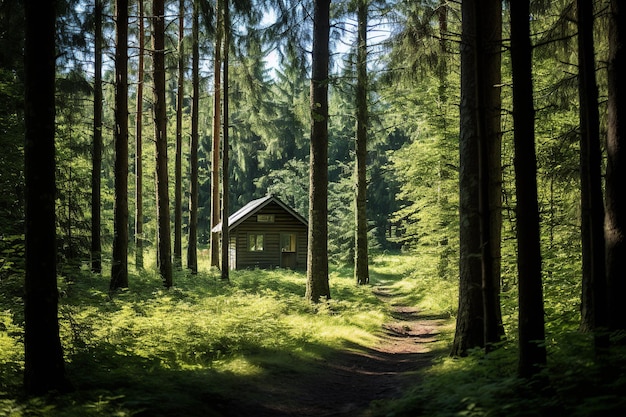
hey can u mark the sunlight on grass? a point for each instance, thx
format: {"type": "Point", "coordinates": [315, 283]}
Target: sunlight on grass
{"type": "Point", "coordinates": [414, 279]}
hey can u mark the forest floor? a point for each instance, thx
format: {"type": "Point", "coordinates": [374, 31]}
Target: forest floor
{"type": "Point", "coordinates": [347, 382]}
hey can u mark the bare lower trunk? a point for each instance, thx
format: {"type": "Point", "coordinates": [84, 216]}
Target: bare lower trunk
{"type": "Point", "coordinates": [616, 169]}
{"type": "Point", "coordinates": [119, 262]}
{"type": "Point", "coordinates": [96, 242]}
{"type": "Point", "coordinates": [139, 147]}
{"type": "Point", "coordinates": [178, 159]}
{"type": "Point", "coordinates": [44, 369]}
{"type": "Point", "coordinates": [192, 248]}
{"type": "Point", "coordinates": [532, 351]}
{"type": "Point", "coordinates": [361, 264]}
{"type": "Point", "coordinates": [160, 125]}
{"type": "Point", "coordinates": [317, 258]}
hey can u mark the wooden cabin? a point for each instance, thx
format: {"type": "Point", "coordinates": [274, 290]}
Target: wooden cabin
{"type": "Point", "coordinates": [266, 233]}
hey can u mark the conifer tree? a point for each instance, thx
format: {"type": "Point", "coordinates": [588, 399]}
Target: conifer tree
{"type": "Point", "coordinates": [178, 159]}
{"type": "Point", "coordinates": [591, 165]}
{"type": "Point", "coordinates": [225, 240]}
{"type": "Point", "coordinates": [317, 257]}
{"type": "Point", "coordinates": [96, 243]}
{"type": "Point", "coordinates": [361, 261]}
{"type": "Point", "coordinates": [532, 350]}
{"type": "Point", "coordinates": [192, 243]}
{"type": "Point", "coordinates": [119, 262]}
{"type": "Point", "coordinates": [616, 168]}
{"type": "Point", "coordinates": [160, 133]}
{"type": "Point", "coordinates": [44, 367]}
{"type": "Point", "coordinates": [215, 153]}
{"type": "Point", "coordinates": [139, 141]}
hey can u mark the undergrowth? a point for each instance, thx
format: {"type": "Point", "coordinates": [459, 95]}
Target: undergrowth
{"type": "Point", "coordinates": [187, 350]}
{"type": "Point", "coordinates": [200, 348]}
{"type": "Point", "coordinates": [574, 383]}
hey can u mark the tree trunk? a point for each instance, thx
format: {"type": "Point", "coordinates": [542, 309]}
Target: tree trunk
{"type": "Point", "coordinates": [532, 351]}
{"type": "Point", "coordinates": [178, 169]}
{"type": "Point", "coordinates": [96, 158]}
{"type": "Point", "coordinates": [479, 178]}
{"type": "Point", "coordinates": [591, 167]}
{"type": "Point", "coordinates": [139, 145]}
{"type": "Point", "coordinates": [225, 149]}
{"type": "Point", "coordinates": [616, 169]}
{"type": "Point", "coordinates": [317, 256]}
{"type": "Point", "coordinates": [488, 44]}
{"type": "Point", "coordinates": [192, 244]}
{"type": "Point", "coordinates": [217, 99]}
{"type": "Point", "coordinates": [119, 261]}
{"type": "Point", "coordinates": [361, 261]}
{"type": "Point", "coordinates": [160, 125]}
{"type": "Point", "coordinates": [44, 369]}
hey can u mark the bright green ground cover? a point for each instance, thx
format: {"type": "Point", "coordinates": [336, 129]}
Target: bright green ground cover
{"type": "Point", "coordinates": [195, 344]}
{"type": "Point", "coordinates": [196, 347]}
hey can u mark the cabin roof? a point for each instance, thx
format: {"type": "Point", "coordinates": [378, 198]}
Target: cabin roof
{"type": "Point", "coordinates": [253, 207]}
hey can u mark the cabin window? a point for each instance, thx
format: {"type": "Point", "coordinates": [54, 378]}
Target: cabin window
{"type": "Point", "coordinates": [265, 218]}
{"type": "Point", "coordinates": [255, 242]}
{"type": "Point", "coordinates": [288, 242]}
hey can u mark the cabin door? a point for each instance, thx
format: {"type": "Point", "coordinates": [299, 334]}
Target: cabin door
{"type": "Point", "coordinates": [288, 254]}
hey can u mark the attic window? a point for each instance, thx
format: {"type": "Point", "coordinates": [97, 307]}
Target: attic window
{"type": "Point", "coordinates": [265, 218]}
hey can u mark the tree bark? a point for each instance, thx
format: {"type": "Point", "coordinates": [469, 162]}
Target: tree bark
{"type": "Point", "coordinates": [160, 125]}
{"type": "Point", "coordinates": [225, 269]}
{"type": "Point", "coordinates": [119, 261]}
{"type": "Point", "coordinates": [217, 100]}
{"type": "Point", "coordinates": [591, 171]}
{"type": "Point", "coordinates": [317, 256]}
{"type": "Point", "coordinates": [616, 169]}
{"type": "Point", "coordinates": [178, 159]}
{"type": "Point", "coordinates": [192, 244]}
{"type": "Point", "coordinates": [139, 144]}
{"type": "Point", "coordinates": [479, 178]}
{"type": "Point", "coordinates": [361, 261]}
{"type": "Point", "coordinates": [44, 369]}
{"type": "Point", "coordinates": [96, 158]}
{"type": "Point", "coordinates": [488, 106]}
{"type": "Point", "coordinates": [532, 351]}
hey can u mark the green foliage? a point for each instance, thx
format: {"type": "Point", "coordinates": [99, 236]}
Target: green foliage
{"type": "Point", "coordinates": [160, 350]}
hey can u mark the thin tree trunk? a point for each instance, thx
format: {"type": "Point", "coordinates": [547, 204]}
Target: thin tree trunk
{"type": "Point", "coordinates": [317, 256]}
{"type": "Point", "coordinates": [119, 261]}
{"type": "Point", "coordinates": [44, 369]}
{"type": "Point", "coordinates": [217, 98]}
{"type": "Point", "coordinates": [225, 149]}
{"type": "Point", "coordinates": [160, 125]}
{"type": "Point", "coordinates": [532, 351]}
{"type": "Point", "coordinates": [178, 169]}
{"type": "Point", "coordinates": [616, 169]}
{"type": "Point", "coordinates": [361, 264]}
{"type": "Point", "coordinates": [96, 240]}
{"type": "Point", "coordinates": [139, 145]}
{"type": "Point", "coordinates": [591, 167]}
{"type": "Point", "coordinates": [192, 244]}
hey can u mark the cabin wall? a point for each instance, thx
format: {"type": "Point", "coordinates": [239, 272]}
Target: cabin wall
{"type": "Point", "coordinates": [270, 256]}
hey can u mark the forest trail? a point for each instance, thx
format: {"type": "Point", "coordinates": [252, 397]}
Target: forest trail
{"type": "Point", "coordinates": [348, 381]}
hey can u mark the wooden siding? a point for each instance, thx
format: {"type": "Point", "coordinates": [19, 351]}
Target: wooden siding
{"type": "Point", "coordinates": [270, 256]}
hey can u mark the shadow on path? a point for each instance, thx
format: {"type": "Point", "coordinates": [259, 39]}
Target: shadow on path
{"type": "Point", "coordinates": [347, 382]}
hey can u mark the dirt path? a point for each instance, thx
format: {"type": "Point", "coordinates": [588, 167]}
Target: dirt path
{"type": "Point", "coordinates": [349, 381]}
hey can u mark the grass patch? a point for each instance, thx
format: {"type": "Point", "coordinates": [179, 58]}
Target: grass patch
{"type": "Point", "coordinates": [190, 350]}
{"type": "Point", "coordinates": [209, 348]}
{"type": "Point", "coordinates": [573, 384]}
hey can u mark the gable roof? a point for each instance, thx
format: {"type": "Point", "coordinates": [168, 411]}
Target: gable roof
{"type": "Point", "coordinates": [252, 208]}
